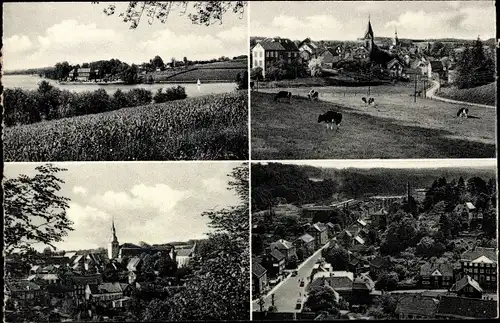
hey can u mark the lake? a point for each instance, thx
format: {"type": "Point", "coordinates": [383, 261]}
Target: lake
{"type": "Point", "coordinates": [29, 82]}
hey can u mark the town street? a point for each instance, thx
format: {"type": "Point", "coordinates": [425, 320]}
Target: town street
{"type": "Point", "coordinates": [287, 292]}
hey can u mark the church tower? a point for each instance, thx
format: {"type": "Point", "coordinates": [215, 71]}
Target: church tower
{"type": "Point", "coordinates": [395, 41]}
{"type": "Point", "coordinates": [368, 38]}
{"type": "Point", "coordinates": [113, 245]}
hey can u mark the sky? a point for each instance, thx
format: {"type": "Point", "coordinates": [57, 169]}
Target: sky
{"type": "Point", "coordinates": [347, 20]}
{"type": "Point", "coordinates": [150, 202]}
{"type": "Point", "coordinates": [396, 163]}
{"type": "Point", "coordinates": [42, 34]}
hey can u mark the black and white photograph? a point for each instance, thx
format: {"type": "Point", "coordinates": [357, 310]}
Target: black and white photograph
{"type": "Point", "coordinates": [126, 242]}
{"type": "Point", "coordinates": [373, 79]}
{"type": "Point", "coordinates": [374, 240]}
{"type": "Point", "coordinates": [125, 81]}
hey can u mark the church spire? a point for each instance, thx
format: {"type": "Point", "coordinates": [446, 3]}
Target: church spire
{"type": "Point", "coordinates": [369, 30]}
{"type": "Point", "coordinates": [113, 230]}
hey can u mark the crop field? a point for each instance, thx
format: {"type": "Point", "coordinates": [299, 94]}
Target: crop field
{"type": "Point", "coordinates": [396, 127]}
{"type": "Point", "coordinates": [208, 127]}
{"type": "Point", "coordinates": [482, 94]}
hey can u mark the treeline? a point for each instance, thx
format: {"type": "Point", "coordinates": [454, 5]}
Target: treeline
{"type": "Point", "coordinates": [49, 103]}
{"type": "Point", "coordinates": [292, 182]}
{"type": "Point", "coordinates": [474, 67]}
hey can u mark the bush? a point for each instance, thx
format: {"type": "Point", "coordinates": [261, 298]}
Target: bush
{"type": "Point", "coordinates": [242, 80]}
{"type": "Point", "coordinates": [171, 94]}
{"type": "Point", "coordinates": [120, 100]}
{"type": "Point", "coordinates": [20, 107]}
{"type": "Point", "coordinates": [136, 97]}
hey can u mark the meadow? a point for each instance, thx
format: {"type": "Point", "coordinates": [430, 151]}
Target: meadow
{"type": "Point", "coordinates": [208, 127]}
{"type": "Point", "coordinates": [396, 127]}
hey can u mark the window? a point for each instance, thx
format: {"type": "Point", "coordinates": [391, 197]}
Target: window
{"type": "Point", "coordinates": [481, 271]}
{"type": "Point", "coordinates": [493, 278]}
{"type": "Point", "coordinates": [488, 278]}
{"type": "Point", "coordinates": [475, 277]}
{"type": "Point", "coordinates": [475, 271]}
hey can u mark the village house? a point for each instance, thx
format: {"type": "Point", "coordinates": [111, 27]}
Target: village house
{"type": "Point", "coordinates": [308, 49]}
{"type": "Point", "coordinates": [286, 248]}
{"type": "Point", "coordinates": [481, 264]}
{"type": "Point", "coordinates": [437, 275]}
{"type": "Point", "coordinates": [25, 292]}
{"type": "Point", "coordinates": [340, 281]}
{"type": "Point", "coordinates": [320, 233]}
{"type": "Point", "coordinates": [306, 243]}
{"type": "Point", "coordinates": [259, 278]}
{"type": "Point", "coordinates": [330, 57]}
{"type": "Point", "coordinates": [269, 51]}
{"type": "Point", "coordinates": [468, 214]}
{"type": "Point", "coordinates": [378, 265]}
{"type": "Point", "coordinates": [415, 307]}
{"type": "Point", "coordinates": [274, 262]}
{"type": "Point", "coordinates": [453, 307]}
{"type": "Point", "coordinates": [184, 255]}
{"type": "Point", "coordinates": [467, 287]}
{"type": "Point", "coordinates": [362, 286]}
{"type": "Point", "coordinates": [44, 279]}
{"type": "Point", "coordinates": [107, 292]}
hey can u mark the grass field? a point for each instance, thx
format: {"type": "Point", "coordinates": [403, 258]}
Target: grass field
{"type": "Point", "coordinates": [207, 127]}
{"type": "Point", "coordinates": [396, 128]}
{"type": "Point", "coordinates": [217, 71]}
{"type": "Point", "coordinates": [482, 94]}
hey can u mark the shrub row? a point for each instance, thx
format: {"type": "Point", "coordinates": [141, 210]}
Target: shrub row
{"type": "Point", "coordinates": [49, 103]}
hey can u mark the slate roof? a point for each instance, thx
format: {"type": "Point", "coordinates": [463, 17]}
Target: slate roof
{"type": "Point", "coordinates": [257, 269]}
{"type": "Point", "coordinates": [379, 262]}
{"type": "Point", "coordinates": [363, 281]}
{"type": "Point", "coordinates": [471, 255]}
{"type": "Point", "coordinates": [359, 239]}
{"type": "Point", "coordinates": [319, 226]}
{"type": "Point", "coordinates": [184, 252]}
{"type": "Point", "coordinates": [466, 280]}
{"type": "Point", "coordinates": [134, 263]}
{"type": "Point", "coordinates": [22, 285]}
{"type": "Point", "coordinates": [415, 304]}
{"type": "Point", "coordinates": [107, 288]}
{"type": "Point", "coordinates": [463, 307]}
{"type": "Point", "coordinates": [470, 206]}
{"type": "Point", "coordinates": [277, 255]}
{"type": "Point", "coordinates": [271, 45]}
{"type": "Point", "coordinates": [130, 246]}
{"type": "Point", "coordinates": [306, 238]}
{"type": "Point", "coordinates": [446, 269]}
{"type": "Point", "coordinates": [363, 223]}
{"type": "Point", "coordinates": [282, 244]}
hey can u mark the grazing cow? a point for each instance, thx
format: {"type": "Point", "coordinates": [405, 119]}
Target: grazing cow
{"type": "Point", "coordinates": [364, 99]}
{"type": "Point", "coordinates": [371, 100]}
{"type": "Point", "coordinates": [313, 95]}
{"type": "Point", "coordinates": [330, 118]}
{"type": "Point", "coordinates": [463, 112]}
{"type": "Point", "coordinates": [283, 95]}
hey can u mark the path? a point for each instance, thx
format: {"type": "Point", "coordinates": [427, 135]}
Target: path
{"type": "Point", "coordinates": [431, 94]}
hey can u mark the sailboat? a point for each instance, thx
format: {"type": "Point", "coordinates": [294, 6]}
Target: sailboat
{"type": "Point", "coordinates": [199, 83]}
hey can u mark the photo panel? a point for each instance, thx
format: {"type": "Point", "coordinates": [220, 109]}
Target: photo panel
{"type": "Point", "coordinates": [384, 239]}
{"type": "Point", "coordinates": [126, 241]}
{"type": "Point", "coordinates": [373, 79]}
{"type": "Point", "coordinates": [125, 81]}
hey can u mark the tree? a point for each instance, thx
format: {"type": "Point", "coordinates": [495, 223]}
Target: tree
{"type": "Point", "coordinates": [338, 258]}
{"type": "Point", "coordinates": [242, 80]}
{"type": "Point", "coordinates": [199, 12]}
{"type": "Point", "coordinates": [157, 62]}
{"type": "Point", "coordinates": [315, 66]}
{"type": "Point", "coordinates": [129, 74]}
{"type": "Point", "coordinates": [33, 212]}
{"type": "Point", "coordinates": [256, 73]}
{"type": "Point", "coordinates": [322, 299]}
{"type": "Point", "coordinates": [185, 60]}
{"type": "Point", "coordinates": [387, 281]}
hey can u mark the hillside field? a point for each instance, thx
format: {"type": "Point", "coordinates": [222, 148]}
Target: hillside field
{"type": "Point", "coordinates": [212, 127]}
{"type": "Point", "coordinates": [484, 94]}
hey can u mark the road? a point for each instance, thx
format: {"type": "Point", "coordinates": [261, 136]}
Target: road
{"type": "Point", "coordinates": [431, 94]}
{"type": "Point", "coordinates": [287, 292]}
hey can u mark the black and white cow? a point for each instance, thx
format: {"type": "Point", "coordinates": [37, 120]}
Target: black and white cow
{"type": "Point", "coordinates": [463, 112]}
{"type": "Point", "coordinates": [313, 95]}
{"type": "Point", "coordinates": [331, 118]}
{"type": "Point", "coordinates": [283, 95]}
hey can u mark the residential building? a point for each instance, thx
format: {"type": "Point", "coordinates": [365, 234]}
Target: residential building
{"type": "Point", "coordinates": [436, 68]}
{"type": "Point", "coordinates": [362, 286]}
{"type": "Point", "coordinates": [135, 264]}
{"type": "Point", "coordinates": [330, 57]}
{"type": "Point", "coordinates": [469, 215]}
{"type": "Point", "coordinates": [308, 49]}
{"type": "Point", "coordinates": [270, 51]}
{"type": "Point", "coordinates": [467, 287]}
{"type": "Point", "coordinates": [286, 248]}
{"type": "Point", "coordinates": [395, 67]}
{"type": "Point", "coordinates": [437, 275]}
{"type": "Point", "coordinates": [25, 292]}
{"type": "Point", "coordinates": [331, 229]}
{"type": "Point", "coordinates": [44, 279]}
{"type": "Point", "coordinates": [259, 278]}
{"type": "Point", "coordinates": [481, 264]}
{"type": "Point", "coordinates": [124, 302]}
{"type": "Point", "coordinates": [415, 306]}
{"type": "Point", "coordinates": [274, 262]}
{"type": "Point", "coordinates": [184, 255]}
{"type": "Point", "coordinates": [306, 243]}
{"type": "Point", "coordinates": [320, 233]}
{"type": "Point", "coordinates": [340, 281]}
{"type": "Point", "coordinates": [378, 265]}
{"type": "Point", "coordinates": [453, 307]}
{"type": "Point", "coordinates": [106, 292]}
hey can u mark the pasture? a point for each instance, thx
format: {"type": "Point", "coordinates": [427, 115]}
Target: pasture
{"type": "Point", "coordinates": [212, 127]}
{"type": "Point", "coordinates": [395, 127]}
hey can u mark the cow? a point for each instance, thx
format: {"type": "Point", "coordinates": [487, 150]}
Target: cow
{"type": "Point", "coordinates": [330, 118]}
{"type": "Point", "coordinates": [364, 100]}
{"type": "Point", "coordinates": [313, 95]}
{"type": "Point", "coordinates": [463, 112]}
{"type": "Point", "coordinates": [371, 100]}
{"type": "Point", "coordinates": [283, 95]}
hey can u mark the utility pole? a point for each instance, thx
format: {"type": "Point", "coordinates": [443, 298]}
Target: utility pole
{"type": "Point", "coordinates": [261, 303]}
{"type": "Point", "coordinates": [415, 95]}
{"type": "Point", "coordinates": [272, 299]}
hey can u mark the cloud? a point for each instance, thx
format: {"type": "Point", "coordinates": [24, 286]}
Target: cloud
{"type": "Point", "coordinates": [17, 44]}
{"type": "Point", "coordinates": [80, 190]}
{"type": "Point", "coordinates": [314, 26]}
{"type": "Point", "coordinates": [234, 34]}
{"type": "Point", "coordinates": [463, 22]}
{"type": "Point", "coordinates": [215, 184]}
